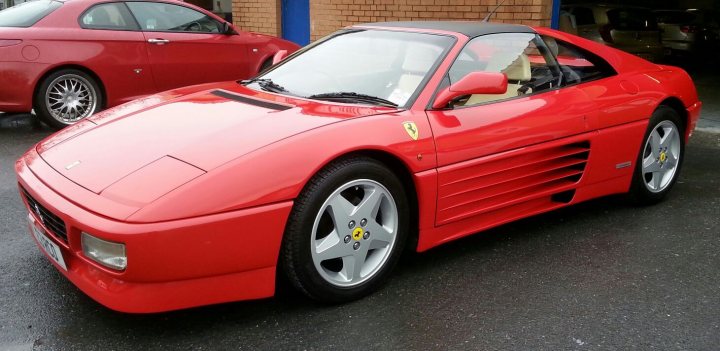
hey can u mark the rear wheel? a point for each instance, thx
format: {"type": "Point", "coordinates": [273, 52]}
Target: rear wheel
{"type": "Point", "coordinates": [660, 158]}
{"type": "Point", "coordinates": [346, 231]}
{"type": "Point", "coordinates": [67, 96]}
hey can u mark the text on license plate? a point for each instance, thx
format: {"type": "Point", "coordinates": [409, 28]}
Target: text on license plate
{"type": "Point", "coordinates": [50, 248]}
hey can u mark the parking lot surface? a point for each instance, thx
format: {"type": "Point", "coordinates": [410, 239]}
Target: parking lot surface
{"type": "Point", "coordinates": [601, 275]}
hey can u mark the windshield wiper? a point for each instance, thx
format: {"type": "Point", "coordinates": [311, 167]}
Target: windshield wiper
{"type": "Point", "coordinates": [266, 84]}
{"type": "Point", "coordinates": [353, 97]}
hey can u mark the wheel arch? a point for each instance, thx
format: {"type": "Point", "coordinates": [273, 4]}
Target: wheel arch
{"type": "Point", "coordinates": [78, 67]}
{"type": "Point", "coordinates": [265, 60]}
{"type": "Point", "coordinates": [677, 105]}
{"type": "Point", "coordinates": [398, 167]}
{"type": "Point", "coordinates": [401, 169]}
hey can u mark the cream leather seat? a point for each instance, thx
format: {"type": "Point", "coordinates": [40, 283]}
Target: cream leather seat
{"type": "Point", "coordinates": [518, 73]}
{"type": "Point", "coordinates": [418, 60]}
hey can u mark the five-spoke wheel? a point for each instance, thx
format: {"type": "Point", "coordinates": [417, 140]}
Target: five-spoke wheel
{"type": "Point", "coordinates": [354, 232]}
{"type": "Point", "coordinates": [660, 157]}
{"type": "Point", "coordinates": [346, 231]}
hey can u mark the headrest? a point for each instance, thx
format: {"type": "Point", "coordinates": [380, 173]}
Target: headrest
{"type": "Point", "coordinates": [552, 45]}
{"type": "Point", "coordinates": [101, 17]}
{"type": "Point", "coordinates": [515, 66]}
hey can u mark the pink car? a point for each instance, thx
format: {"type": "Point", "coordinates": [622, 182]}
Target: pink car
{"type": "Point", "coordinates": [70, 59]}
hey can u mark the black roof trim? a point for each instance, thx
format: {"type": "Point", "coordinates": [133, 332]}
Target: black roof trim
{"type": "Point", "coordinates": [469, 29]}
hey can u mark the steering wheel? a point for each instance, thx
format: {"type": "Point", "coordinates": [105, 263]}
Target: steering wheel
{"type": "Point", "coordinates": [523, 89]}
{"type": "Point", "coordinates": [193, 27]}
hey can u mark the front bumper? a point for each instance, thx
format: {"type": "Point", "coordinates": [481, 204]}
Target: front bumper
{"type": "Point", "coordinates": [171, 265]}
{"type": "Point", "coordinates": [679, 45]}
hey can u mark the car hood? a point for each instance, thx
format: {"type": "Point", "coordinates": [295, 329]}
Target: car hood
{"type": "Point", "coordinates": [134, 154]}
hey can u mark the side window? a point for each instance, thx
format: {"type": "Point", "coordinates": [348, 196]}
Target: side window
{"type": "Point", "coordinates": [163, 17]}
{"type": "Point", "coordinates": [578, 65]}
{"type": "Point", "coordinates": [112, 16]}
{"type": "Point", "coordinates": [583, 16]}
{"type": "Point", "coordinates": [522, 57]}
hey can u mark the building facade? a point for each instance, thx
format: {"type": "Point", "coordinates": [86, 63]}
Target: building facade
{"type": "Point", "coordinates": [318, 18]}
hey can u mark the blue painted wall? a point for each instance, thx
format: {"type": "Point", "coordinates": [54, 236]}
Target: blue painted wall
{"type": "Point", "coordinates": [296, 21]}
{"type": "Point", "coordinates": [555, 19]}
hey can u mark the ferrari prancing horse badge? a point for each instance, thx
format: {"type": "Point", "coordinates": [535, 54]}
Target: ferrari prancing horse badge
{"type": "Point", "coordinates": [411, 129]}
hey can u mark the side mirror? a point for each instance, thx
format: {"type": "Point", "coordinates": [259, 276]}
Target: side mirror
{"type": "Point", "coordinates": [227, 29]}
{"type": "Point", "coordinates": [473, 83]}
{"type": "Point", "coordinates": [279, 56]}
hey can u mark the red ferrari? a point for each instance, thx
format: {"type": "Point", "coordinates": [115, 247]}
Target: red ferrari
{"type": "Point", "coordinates": [70, 59]}
{"type": "Point", "coordinates": [325, 167]}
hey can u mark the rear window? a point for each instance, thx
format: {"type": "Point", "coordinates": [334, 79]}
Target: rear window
{"type": "Point", "coordinates": [632, 19]}
{"type": "Point", "coordinates": [27, 13]}
{"type": "Point", "coordinates": [675, 17]}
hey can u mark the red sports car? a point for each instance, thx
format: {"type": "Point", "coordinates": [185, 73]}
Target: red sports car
{"type": "Point", "coordinates": [325, 167]}
{"type": "Point", "coordinates": [70, 59]}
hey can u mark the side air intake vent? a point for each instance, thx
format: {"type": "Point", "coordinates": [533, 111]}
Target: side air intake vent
{"type": "Point", "coordinates": [511, 180]}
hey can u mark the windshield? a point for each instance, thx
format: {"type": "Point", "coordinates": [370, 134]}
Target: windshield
{"type": "Point", "coordinates": [27, 13]}
{"type": "Point", "coordinates": [385, 65]}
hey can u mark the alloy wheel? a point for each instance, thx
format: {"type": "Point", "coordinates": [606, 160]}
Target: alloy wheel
{"type": "Point", "coordinates": [354, 233]}
{"type": "Point", "coordinates": [70, 98]}
{"type": "Point", "coordinates": [661, 156]}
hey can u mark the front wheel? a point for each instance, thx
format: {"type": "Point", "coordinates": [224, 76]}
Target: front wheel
{"type": "Point", "coordinates": [660, 158]}
{"type": "Point", "coordinates": [346, 231]}
{"type": "Point", "coordinates": [67, 96]}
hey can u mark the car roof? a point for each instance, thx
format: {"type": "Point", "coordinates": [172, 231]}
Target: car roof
{"type": "Point", "coordinates": [467, 28]}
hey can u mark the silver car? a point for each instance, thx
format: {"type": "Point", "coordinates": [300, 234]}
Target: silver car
{"type": "Point", "coordinates": [686, 32]}
{"type": "Point", "coordinates": [631, 29]}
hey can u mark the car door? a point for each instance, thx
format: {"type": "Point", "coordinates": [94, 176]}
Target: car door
{"type": "Point", "coordinates": [119, 53]}
{"type": "Point", "coordinates": [510, 150]}
{"type": "Point", "coordinates": [620, 112]}
{"type": "Point", "coordinates": [187, 46]}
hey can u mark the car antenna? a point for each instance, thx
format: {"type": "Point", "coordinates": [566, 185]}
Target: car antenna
{"type": "Point", "coordinates": [487, 18]}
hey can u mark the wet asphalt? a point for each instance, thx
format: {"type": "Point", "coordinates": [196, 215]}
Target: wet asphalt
{"type": "Point", "coordinates": [602, 275]}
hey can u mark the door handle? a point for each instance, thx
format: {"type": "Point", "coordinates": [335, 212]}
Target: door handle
{"type": "Point", "coordinates": [158, 41]}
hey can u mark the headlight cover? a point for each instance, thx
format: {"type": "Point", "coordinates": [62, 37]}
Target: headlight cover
{"type": "Point", "coordinates": [106, 253]}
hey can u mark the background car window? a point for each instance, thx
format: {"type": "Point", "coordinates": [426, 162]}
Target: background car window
{"type": "Point", "coordinates": [675, 17]}
{"type": "Point", "coordinates": [583, 16]}
{"type": "Point", "coordinates": [523, 57]}
{"type": "Point", "coordinates": [27, 14]}
{"type": "Point", "coordinates": [632, 19]}
{"type": "Point", "coordinates": [578, 65]}
{"type": "Point", "coordinates": [161, 17]}
{"type": "Point", "coordinates": [114, 16]}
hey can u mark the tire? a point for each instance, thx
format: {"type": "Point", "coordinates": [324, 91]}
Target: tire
{"type": "Point", "coordinates": [333, 212]}
{"type": "Point", "coordinates": [660, 158]}
{"type": "Point", "coordinates": [85, 98]}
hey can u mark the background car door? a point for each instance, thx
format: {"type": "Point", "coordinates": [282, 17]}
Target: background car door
{"type": "Point", "coordinates": [186, 46]}
{"type": "Point", "coordinates": [499, 151]}
{"type": "Point", "coordinates": [116, 50]}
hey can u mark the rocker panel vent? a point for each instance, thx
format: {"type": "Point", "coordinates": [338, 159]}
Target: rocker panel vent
{"type": "Point", "coordinates": [498, 182]}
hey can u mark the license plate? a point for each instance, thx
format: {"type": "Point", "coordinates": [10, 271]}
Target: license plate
{"type": "Point", "coordinates": [50, 248]}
